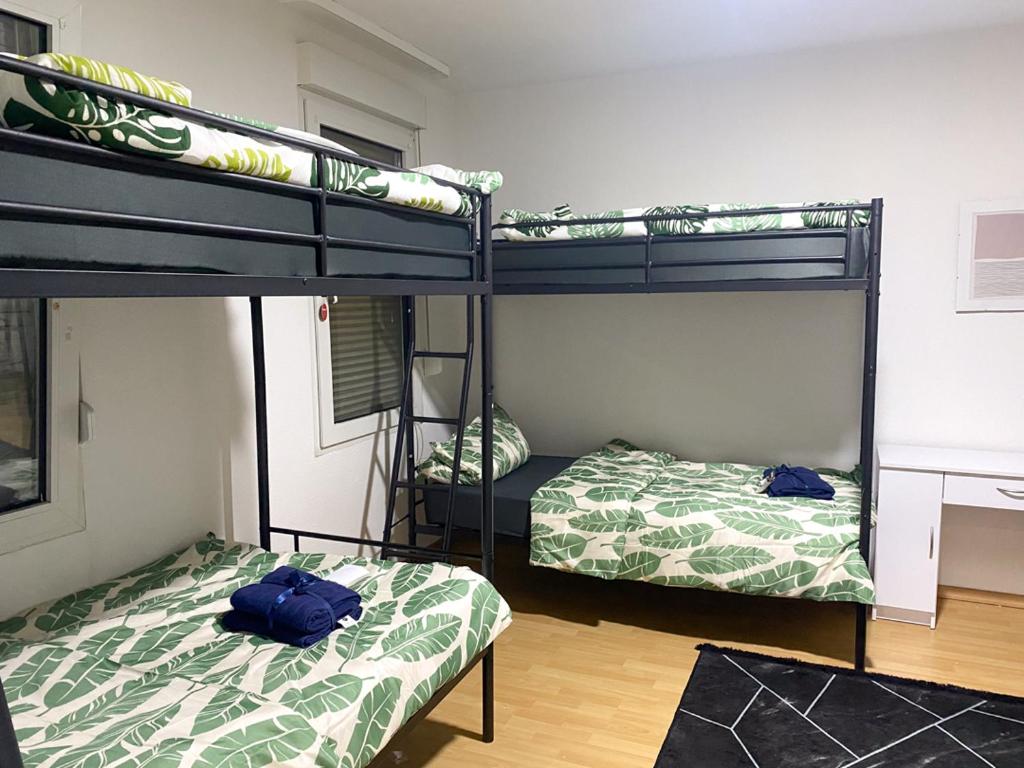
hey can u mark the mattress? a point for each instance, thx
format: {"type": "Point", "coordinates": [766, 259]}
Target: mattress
{"type": "Point", "coordinates": [137, 672]}
{"type": "Point", "coordinates": [512, 494]}
{"type": "Point", "coordinates": [37, 106]}
{"type": "Point", "coordinates": [627, 263]}
{"type": "Point", "coordinates": [625, 513]}
{"type": "Point", "coordinates": [66, 181]}
{"type": "Point", "coordinates": [520, 225]}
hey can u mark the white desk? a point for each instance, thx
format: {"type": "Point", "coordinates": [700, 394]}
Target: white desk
{"type": "Point", "coordinates": [913, 484]}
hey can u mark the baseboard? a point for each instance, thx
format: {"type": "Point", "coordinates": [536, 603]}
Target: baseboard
{"type": "Point", "coordinates": [904, 615]}
{"type": "Point", "coordinates": [963, 594]}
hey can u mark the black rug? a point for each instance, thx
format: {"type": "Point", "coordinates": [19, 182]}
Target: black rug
{"type": "Point", "coordinates": [744, 710]}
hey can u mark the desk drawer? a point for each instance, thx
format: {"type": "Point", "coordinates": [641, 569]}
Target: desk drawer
{"type": "Point", "coordinates": [974, 491]}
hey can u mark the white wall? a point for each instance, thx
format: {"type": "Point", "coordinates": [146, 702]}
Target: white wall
{"type": "Point", "coordinates": [151, 475]}
{"type": "Point", "coordinates": [171, 379]}
{"type": "Point", "coordinates": [924, 123]}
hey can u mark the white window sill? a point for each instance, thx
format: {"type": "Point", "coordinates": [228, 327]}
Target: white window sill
{"type": "Point", "coordinates": [39, 523]}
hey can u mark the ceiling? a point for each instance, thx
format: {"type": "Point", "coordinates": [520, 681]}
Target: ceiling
{"type": "Point", "coordinates": [494, 43]}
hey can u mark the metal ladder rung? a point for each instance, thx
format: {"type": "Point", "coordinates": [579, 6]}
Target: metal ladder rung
{"type": "Point", "coordinates": [434, 529]}
{"type": "Point", "coordinates": [429, 353]}
{"type": "Point", "coordinates": [435, 420]}
{"type": "Point", "coordinates": [420, 486]}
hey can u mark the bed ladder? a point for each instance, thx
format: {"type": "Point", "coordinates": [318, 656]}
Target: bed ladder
{"type": "Point", "coordinates": [405, 440]}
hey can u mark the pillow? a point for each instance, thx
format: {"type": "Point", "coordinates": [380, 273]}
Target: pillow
{"type": "Point", "coordinates": [436, 471]}
{"type": "Point", "coordinates": [540, 232]}
{"type": "Point", "coordinates": [487, 182]}
{"type": "Point", "coordinates": [295, 133]}
{"type": "Point", "coordinates": [510, 450]}
{"type": "Point", "coordinates": [119, 77]}
{"type": "Point", "coordinates": [619, 448]}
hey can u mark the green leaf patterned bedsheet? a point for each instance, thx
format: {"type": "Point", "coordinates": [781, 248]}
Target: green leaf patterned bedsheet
{"type": "Point", "coordinates": [823, 219]}
{"type": "Point", "coordinates": [624, 513]}
{"type": "Point", "coordinates": [37, 106]}
{"type": "Point", "coordinates": [137, 672]}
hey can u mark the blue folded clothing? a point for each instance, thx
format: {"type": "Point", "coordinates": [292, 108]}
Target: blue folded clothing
{"type": "Point", "coordinates": [784, 480]}
{"type": "Point", "coordinates": [240, 621]}
{"type": "Point", "coordinates": [291, 606]}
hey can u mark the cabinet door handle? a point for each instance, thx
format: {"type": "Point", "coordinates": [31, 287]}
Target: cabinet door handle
{"type": "Point", "coordinates": [1013, 493]}
{"type": "Point", "coordinates": [931, 542]}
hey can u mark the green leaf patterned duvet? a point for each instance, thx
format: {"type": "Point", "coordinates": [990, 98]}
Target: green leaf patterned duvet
{"type": "Point", "coordinates": [823, 219]}
{"type": "Point", "coordinates": [38, 106]}
{"type": "Point", "coordinates": [624, 513]}
{"type": "Point", "coordinates": [137, 672]}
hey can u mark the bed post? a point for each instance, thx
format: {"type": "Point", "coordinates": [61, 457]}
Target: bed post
{"type": "Point", "coordinates": [867, 415]}
{"type": "Point", "coordinates": [409, 355]}
{"type": "Point", "coordinates": [487, 446]}
{"type": "Point", "coordinates": [259, 368]}
{"type": "Point", "coordinates": [10, 755]}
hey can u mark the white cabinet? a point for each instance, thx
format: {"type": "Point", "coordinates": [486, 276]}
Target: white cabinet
{"type": "Point", "coordinates": [907, 545]}
{"type": "Point", "coordinates": [913, 484]}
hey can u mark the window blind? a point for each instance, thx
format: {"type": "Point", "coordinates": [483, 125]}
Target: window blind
{"type": "Point", "coordinates": [366, 355]}
{"type": "Point", "coordinates": [373, 150]}
{"type": "Point", "coordinates": [21, 36]}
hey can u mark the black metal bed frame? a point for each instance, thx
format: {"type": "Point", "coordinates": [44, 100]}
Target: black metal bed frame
{"type": "Point", "coordinates": [85, 282]}
{"type": "Point", "coordinates": [850, 281]}
{"type": "Point", "coordinates": [104, 283]}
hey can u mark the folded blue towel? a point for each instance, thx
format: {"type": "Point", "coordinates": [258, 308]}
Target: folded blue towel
{"type": "Point", "coordinates": [343, 601]}
{"type": "Point", "coordinates": [240, 621]}
{"type": "Point", "coordinates": [291, 606]}
{"type": "Point", "coordinates": [797, 481]}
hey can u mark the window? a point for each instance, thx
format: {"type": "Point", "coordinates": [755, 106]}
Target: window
{"type": "Point", "coordinates": [22, 403]}
{"type": "Point", "coordinates": [23, 347]}
{"type": "Point", "coordinates": [41, 492]}
{"type": "Point", "coordinates": [22, 36]}
{"type": "Point", "coordinates": [363, 147]}
{"type": "Point", "coordinates": [990, 273]}
{"type": "Point", "coordinates": [366, 355]}
{"type": "Point", "coordinates": [360, 365]}
{"type": "Point", "coordinates": [359, 338]}
{"type": "Point", "coordinates": [365, 331]}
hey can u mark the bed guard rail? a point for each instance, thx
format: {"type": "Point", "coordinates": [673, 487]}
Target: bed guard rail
{"type": "Point", "coordinates": [316, 280]}
{"type": "Point", "coordinates": [833, 257]}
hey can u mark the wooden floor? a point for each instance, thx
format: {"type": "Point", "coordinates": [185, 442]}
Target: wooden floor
{"type": "Point", "coordinates": [590, 672]}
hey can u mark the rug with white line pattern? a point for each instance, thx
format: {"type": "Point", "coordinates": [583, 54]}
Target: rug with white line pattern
{"type": "Point", "coordinates": [745, 710]}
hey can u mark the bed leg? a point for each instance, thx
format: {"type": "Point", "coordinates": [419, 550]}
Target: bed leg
{"type": "Point", "coordinates": [861, 639]}
{"type": "Point", "coordinates": [488, 684]}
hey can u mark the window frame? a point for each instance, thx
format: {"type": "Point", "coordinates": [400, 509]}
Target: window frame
{"type": "Point", "coordinates": [42, 385]}
{"type": "Point", "coordinates": [970, 212]}
{"type": "Point", "coordinates": [63, 17]}
{"type": "Point", "coordinates": [333, 433]}
{"type": "Point", "coordinates": [62, 512]}
{"type": "Point", "coordinates": [318, 111]}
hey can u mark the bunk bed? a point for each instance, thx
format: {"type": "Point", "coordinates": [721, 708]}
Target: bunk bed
{"type": "Point", "coordinates": [622, 512]}
{"type": "Point", "coordinates": [137, 668]}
